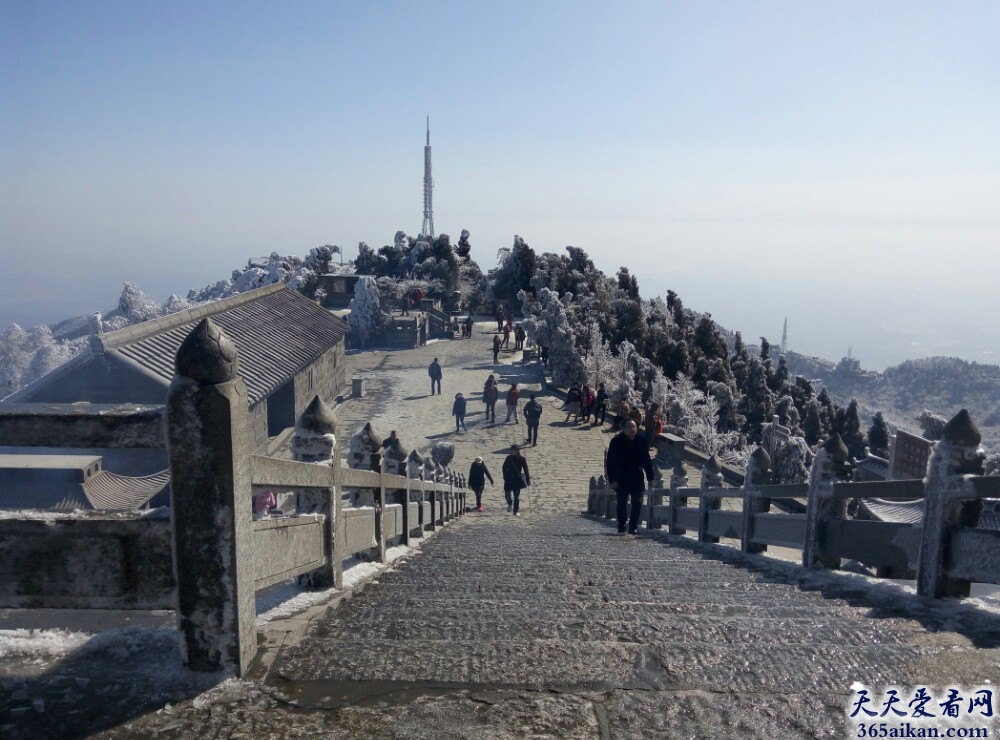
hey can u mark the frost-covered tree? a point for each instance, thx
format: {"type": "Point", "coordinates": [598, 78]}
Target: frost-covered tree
{"type": "Point", "coordinates": [548, 324]}
{"type": "Point", "coordinates": [366, 318]}
{"type": "Point", "coordinates": [757, 403]}
{"type": "Point", "coordinates": [932, 424]}
{"type": "Point", "coordinates": [15, 357]}
{"type": "Point", "coordinates": [695, 416]}
{"type": "Point", "coordinates": [793, 461]}
{"type": "Point", "coordinates": [49, 354]}
{"type": "Point", "coordinates": [517, 266]}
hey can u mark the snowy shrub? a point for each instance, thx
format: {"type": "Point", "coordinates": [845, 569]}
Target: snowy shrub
{"type": "Point", "coordinates": [366, 318]}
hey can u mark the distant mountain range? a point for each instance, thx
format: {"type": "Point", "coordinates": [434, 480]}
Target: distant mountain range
{"type": "Point", "coordinates": [944, 385]}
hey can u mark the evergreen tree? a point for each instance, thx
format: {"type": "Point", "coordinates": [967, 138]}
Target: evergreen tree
{"type": "Point", "coordinates": [628, 284]}
{"type": "Point", "coordinates": [780, 376]}
{"type": "Point", "coordinates": [878, 436]}
{"type": "Point", "coordinates": [757, 404]}
{"type": "Point", "coordinates": [852, 435]}
{"type": "Point", "coordinates": [826, 411]}
{"type": "Point", "coordinates": [463, 248]}
{"type": "Point", "coordinates": [739, 361]}
{"type": "Point", "coordinates": [812, 425]}
{"type": "Point", "coordinates": [514, 274]}
{"type": "Point", "coordinates": [708, 340]}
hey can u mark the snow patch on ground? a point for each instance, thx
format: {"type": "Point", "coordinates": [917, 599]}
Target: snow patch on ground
{"type": "Point", "coordinates": [38, 643]}
{"type": "Point", "coordinates": [290, 598]}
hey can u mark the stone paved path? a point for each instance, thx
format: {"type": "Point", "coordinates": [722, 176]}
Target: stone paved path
{"type": "Point", "coordinates": [399, 398]}
{"type": "Point", "coordinates": [547, 625]}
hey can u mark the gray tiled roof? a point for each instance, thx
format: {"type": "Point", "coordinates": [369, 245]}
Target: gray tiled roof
{"type": "Point", "coordinates": [277, 333]}
{"type": "Point", "coordinates": [122, 492]}
{"type": "Point", "coordinates": [108, 491]}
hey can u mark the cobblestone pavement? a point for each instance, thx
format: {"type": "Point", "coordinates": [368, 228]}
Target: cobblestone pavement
{"type": "Point", "coordinates": [548, 625]}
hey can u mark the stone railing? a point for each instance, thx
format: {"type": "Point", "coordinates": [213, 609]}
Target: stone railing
{"type": "Point", "coordinates": [946, 551]}
{"type": "Point", "coordinates": [207, 557]}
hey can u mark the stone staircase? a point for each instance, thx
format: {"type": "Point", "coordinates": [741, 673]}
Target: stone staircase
{"type": "Point", "coordinates": [555, 603]}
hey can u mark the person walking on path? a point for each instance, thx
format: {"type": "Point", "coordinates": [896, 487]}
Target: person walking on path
{"type": "Point", "coordinates": [627, 462]}
{"type": "Point", "coordinates": [496, 348]}
{"type": "Point", "coordinates": [515, 478]}
{"type": "Point", "coordinates": [434, 370]}
{"type": "Point", "coordinates": [532, 415]}
{"type": "Point", "coordinates": [519, 336]}
{"type": "Point", "coordinates": [573, 399]}
{"type": "Point", "coordinates": [468, 326]}
{"type": "Point", "coordinates": [601, 402]}
{"type": "Point", "coordinates": [458, 411]}
{"type": "Point", "coordinates": [651, 422]}
{"type": "Point", "coordinates": [587, 403]}
{"type": "Point", "coordinates": [478, 473]}
{"type": "Point", "coordinates": [490, 395]}
{"type": "Point", "coordinates": [500, 318]}
{"type": "Point", "coordinates": [506, 334]}
{"type": "Point", "coordinates": [513, 396]}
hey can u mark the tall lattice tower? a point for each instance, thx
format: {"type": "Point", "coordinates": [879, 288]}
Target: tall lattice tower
{"type": "Point", "coordinates": [784, 337]}
{"type": "Point", "coordinates": [428, 226]}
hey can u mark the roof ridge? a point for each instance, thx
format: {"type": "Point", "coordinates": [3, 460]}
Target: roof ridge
{"type": "Point", "coordinates": [144, 329]}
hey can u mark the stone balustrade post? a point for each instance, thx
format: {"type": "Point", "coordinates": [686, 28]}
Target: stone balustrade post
{"type": "Point", "coordinates": [954, 456]}
{"type": "Point", "coordinates": [380, 512]}
{"type": "Point", "coordinates": [610, 510]}
{"type": "Point", "coordinates": [655, 499]}
{"type": "Point", "coordinates": [678, 480]}
{"type": "Point", "coordinates": [209, 446]}
{"type": "Point", "coordinates": [314, 441]}
{"type": "Point", "coordinates": [829, 467]}
{"type": "Point", "coordinates": [405, 540]}
{"type": "Point", "coordinates": [711, 477]}
{"type": "Point", "coordinates": [757, 474]}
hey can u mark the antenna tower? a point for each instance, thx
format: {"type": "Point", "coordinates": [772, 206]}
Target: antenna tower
{"type": "Point", "coordinates": [784, 337]}
{"type": "Point", "coordinates": [427, 229]}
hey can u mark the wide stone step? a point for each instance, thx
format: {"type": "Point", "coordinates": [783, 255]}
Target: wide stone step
{"type": "Point", "coordinates": [626, 627]}
{"type": "Point", "coordinates": [606, 664]}
{"type": "Point", "coordinates": [474, 608]}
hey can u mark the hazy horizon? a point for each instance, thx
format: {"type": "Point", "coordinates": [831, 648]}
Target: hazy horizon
{"type": "Point", "coordinates": [835, 164]}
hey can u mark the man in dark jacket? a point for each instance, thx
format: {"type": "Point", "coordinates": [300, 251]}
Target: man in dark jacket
{"type": "Point", "coordinates": [434, 370]}
{"type": "Point", "coordinates": [515, 477]}
{"type": "Point", "coordinates": [628, 459]}
{"type": "Point", "coordinates": [458, 411]}
{"type": "Point", "coordinates": [601, 405]}
{"type": "Point", "coordinates": [496, 348]}
{"type": "Point", "coordinates": [490, 394]}
{"type": "Point", "coordinates": [478, 473]}
{"type": "Point", "coordinates": [532, 415]}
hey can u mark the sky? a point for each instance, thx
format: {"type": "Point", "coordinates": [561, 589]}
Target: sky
{"type": "Point", "coordinates": [836, 163]}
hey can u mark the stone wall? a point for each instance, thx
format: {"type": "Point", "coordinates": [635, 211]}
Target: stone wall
{"type": "Point", "coordinates": [90, 562]}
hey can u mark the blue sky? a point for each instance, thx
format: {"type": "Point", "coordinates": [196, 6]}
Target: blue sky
{"type": "Point", "coordinates": [762, 158]}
